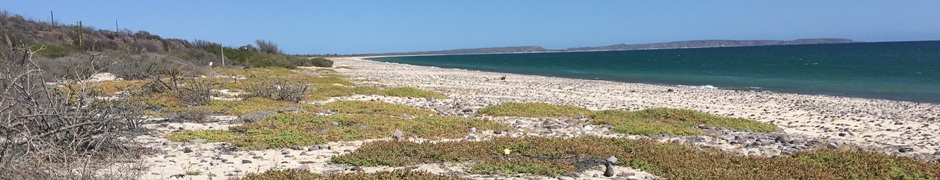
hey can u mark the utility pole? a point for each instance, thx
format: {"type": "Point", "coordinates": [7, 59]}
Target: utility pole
{"type": "Point", "coordinates": [116, 29]}
{"type": "Point", "coordinates": [80, 32]}
{"type": "Point", "coordinates": [53, 19]}
{"type": "Point", "coordinates": [222, 49]}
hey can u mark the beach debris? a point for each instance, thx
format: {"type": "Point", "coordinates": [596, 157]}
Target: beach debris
{"type": "Point", "coordinates": [397, 134]}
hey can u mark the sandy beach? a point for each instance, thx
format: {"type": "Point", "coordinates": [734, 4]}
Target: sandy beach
{"type": "Point", "coordinates": [807, 122]}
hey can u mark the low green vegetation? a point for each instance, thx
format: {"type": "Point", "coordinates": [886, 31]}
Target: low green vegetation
{"type": "Point", "coordinates": [411, 92]}
{"type": "Point", "coordinates": [361, 120]}
{"type": "Point", "coordinates": [652, 121]}
{"type": "Point", "coordinates": [533, 110]}
{"type": "Point", "coordinates": [373, 107]}
{"type": "Point", "coordinates": [302, 174]}
{"type": "Point", "coordinates": [672, 121]}
{"type": "Point", "coordinates": [560, 156]}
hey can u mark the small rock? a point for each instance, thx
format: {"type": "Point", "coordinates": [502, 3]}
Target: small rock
{"type": "Point", "coordinates": [334, 123]}
{"type": "Point", "coordinates": [497, 132]}
{"type": "Point", "coordinates": [612, 159]}
{"type": "Point", "coordinates": [257, 157]}
{"type": "Point", "coordinates": [198, 141]}
{"type": "Point", "coordinates": [397, 134]}
{"type": "Point", "coordinates": [782, 138]}
{"type": "Point", "coordinates": [285, 152]}
{"type": "Point", "coordinates": [313, 148]}
{"type": "Point", "coordinates": [841, 134]}
{"type": "Point", "coordinates": [296, 147]}
{"type": "Point", "coordinates": [245, 161]}
{"type": "Point", "coordinates": [187, 150]}
{"type": "Point", "coordinates": [905, 149]}
{"type": "Point", "coordinates": [473, 129]}
{"type": "Point", "coordinates": [608, 171]}
{"type": "Point", "coordinates": [832, 145]}
{"type": "Point", "coordinates": [362, 126]}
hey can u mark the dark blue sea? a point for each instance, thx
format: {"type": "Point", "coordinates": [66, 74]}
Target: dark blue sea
{"type": "Point", "coordinates": [906, 71]}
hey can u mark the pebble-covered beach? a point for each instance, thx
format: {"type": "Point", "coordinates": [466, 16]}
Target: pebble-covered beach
{"type": "Point", "coordinates": [807, 121]}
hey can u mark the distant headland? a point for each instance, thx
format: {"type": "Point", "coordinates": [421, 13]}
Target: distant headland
{"type": "Point", "coordinates": [623, 47]}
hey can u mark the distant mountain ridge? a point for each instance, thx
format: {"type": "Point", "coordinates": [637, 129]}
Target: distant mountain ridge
{"type": "Point", "coordinates": [622, 46]}
{"type": "Point", "coordinates": [710, 43]}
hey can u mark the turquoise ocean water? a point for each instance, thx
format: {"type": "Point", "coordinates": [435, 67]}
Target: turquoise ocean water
{"type": "Point", "coordinates": [907, 71]}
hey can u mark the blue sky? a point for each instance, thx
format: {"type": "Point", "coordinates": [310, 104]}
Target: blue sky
{"type": "Point", "coordinates": [397, 26]}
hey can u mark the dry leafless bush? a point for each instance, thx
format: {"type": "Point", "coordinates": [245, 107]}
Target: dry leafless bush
{"type": "Point", "coordinates": [268, 47]}
{"type": "Point", "coordinates": [129, 65]}
{"type": "Point", "coordinates": [278, 90]}
{"type": "Point", "coordinates": [54, 132]}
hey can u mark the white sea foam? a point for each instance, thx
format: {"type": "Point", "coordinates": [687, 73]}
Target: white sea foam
{"type": "Point", "coordinates": [699, 87]}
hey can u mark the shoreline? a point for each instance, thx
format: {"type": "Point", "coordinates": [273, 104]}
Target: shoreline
{"type": "Point", "coordinates": [860, 95]}
{"type": "Point", "coordinates": [875, 122]}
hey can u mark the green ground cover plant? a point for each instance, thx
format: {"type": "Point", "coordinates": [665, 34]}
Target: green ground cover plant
{"type": "Point", "coordinates": [302, 174]}
{"type": "Point", "coordinates": [651, 121]}
{"type": "Point", "coordinates": [304, 129]}
{"type": "Point", "coordinates": [559, 156]}
{"type": "Point", "coordinates": [672, 121]}
{"type": "Point", "coordinates": [533, 110]}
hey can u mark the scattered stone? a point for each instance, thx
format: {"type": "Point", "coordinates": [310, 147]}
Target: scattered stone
{"type": "Point", "coordinates": [245, 161]}
{"type": "Point", "coordinates": [362, 126]}
{"type": "Point", "coordinates": [313, 148]}
{"type": "Point", "coordinates": [257, 157]}
{"type": "Point", "coordinates": [782, 138]}
{"type": "Point", "coordinates": [397, 135]}
{"type": "Point", "coordinates": [285, 152]}
{"type": "Point", "coordinates": [296, 147]}
{"type": "Point", "coordinates": [905, 149]}
{"type": "Point", "coordinates": [473, 130]}
{"type": "Point", "coordinates": [334, 123]}
{"type": "Point", "coordinates": [608, 171]}
{"type": "Point", "coordinates": [187, 150]}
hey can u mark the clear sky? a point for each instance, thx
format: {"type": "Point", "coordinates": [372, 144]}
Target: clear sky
{"type": "Point", "coordinates": [396, 26]}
